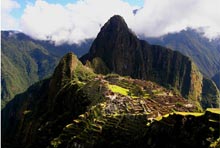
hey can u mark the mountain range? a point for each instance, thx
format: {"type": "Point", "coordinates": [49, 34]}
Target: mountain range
{"type": "Point", "coordinates": [26, 61]}
{"type": "Point", "coordinates": [120, 51]}
{"type": "Point", "coordinates": [203, 51]}
{"type": "Point", "coordinates": [125, 93]}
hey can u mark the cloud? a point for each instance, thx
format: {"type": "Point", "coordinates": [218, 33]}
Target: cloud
{"type": "Point", "coordinates": [75, 22]}
{"type": "Point", "coordinates": [160, 17]}
{"type": "Point", "coordinates": [7, 20]}
{"type": "Point", "coordinates": [72, 23]}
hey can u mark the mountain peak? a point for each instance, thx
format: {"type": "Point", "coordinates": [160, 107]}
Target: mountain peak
{"type": "Point", "coordinates": [123, 53]}
{"type": "Point", "coordinates": [114, 41]}
{"type": "Point", "coordinates": [69, 68]}
{"type": "Point", "coordinates": [64, 70]}
{"type": "Point", "coordinates": [115, 23]}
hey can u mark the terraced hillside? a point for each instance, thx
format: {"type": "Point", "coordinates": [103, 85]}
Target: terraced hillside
{"type": "Point", "coordinates": [117, 49]}
{"type": "Point", "coordinates": [78, 108]}
{"type": "Point", "coordinates": [177, 129]}
{"type": "Point", "coordinates": [39, 115]}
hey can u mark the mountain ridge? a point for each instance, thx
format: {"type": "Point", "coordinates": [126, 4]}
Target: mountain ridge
{"type": "Point", "coordinates": [123, 53]}
{"type": "Point", "coordinates": [77, 107]}
{"type": "Point", "coordinates": [203, 51]}
{"type": "Point", "coordinates": [26, 60]}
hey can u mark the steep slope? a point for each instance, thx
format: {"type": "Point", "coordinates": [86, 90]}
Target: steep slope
{"type": "Point", "coordinates": [204, 53]}
{"type": "Point", "coordinates": [175, 130]}
{"type": "Point", "coordinates": [51, 103]}
{"type": "Point", "coordinates": [209, 94]}
{"type": "Point", "coordinates": [123, 53]}
{"type": "Point", "coordinates": [25, 61]}
{"type": "Point", "coordinates": [77, 108]}
{"type": "Point", "coordinates": [216, 79]}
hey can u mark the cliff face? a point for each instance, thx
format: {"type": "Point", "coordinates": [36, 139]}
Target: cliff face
{"type": "Point", "coordinates": [204, 52]}
{"type": "Point", "coordinates": [38, 116]}
{"type": "Point", "coordinates": [123, 53]}
{"type": "Point", "coordinates": [78, 108]}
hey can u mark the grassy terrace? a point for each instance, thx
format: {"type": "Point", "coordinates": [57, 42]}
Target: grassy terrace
{"type": "Point", "coordinates": [214, 110]}
{"type": "Point", "coordinates": [196, 114]}
{"type": "Point", "coordinates": [189, 113]}
{"type": "Point", "coordinates": [126, 91]}
{"type": "Point", "coordinates": [118, 89]}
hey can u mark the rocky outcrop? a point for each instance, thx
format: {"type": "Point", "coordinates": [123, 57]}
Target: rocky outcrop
{"type": "Point", "coordinates": [216, 79]}
{"type": "Point", "coordinates": [210, 94]}
{"type": "Point", "coordinates": [78, 108]}
{"type": "Point", "coordinates": [25, 60]}
{"type": "Point", "coordinates": [38, 116]}
{"type": "Point", "coordinates": [123, 53]}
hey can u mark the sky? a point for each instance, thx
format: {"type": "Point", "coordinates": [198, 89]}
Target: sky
{"type": "Point", "coordinates": [73, 21]}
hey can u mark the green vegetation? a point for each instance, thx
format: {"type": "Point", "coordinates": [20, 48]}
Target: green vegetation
{"type": "Point", "coordinates": [133, 93]}
{"type": "Point", "coordinates": [179, 104]}
{"type": "Point", "coordinates": [210, 95]}
{"type": "Point", "coordinates": [99, 66]}
{"type": "Point", "coordinates": [189, 114]}
{"type": "Point", "coordinates": [78, 108]}
{"type": "Point", "coordinates": [162, 117]}
{"type": "Point", "coordinates": [55, 143]}
{"type": "Point", "coordinates": [24, 62]}
{"type": "Point", "coordinates": [118, 89]}
{"type": "Point", "coordinates": [27, 112]}
{"type": "Point", "coordinates": [215, 144]}
{"type": "Point", "coordinates": [83, 73]}
{"type": "Point", "coordinates": [191, 43]}
{"type": "Point", "coordinates": [214, 110]}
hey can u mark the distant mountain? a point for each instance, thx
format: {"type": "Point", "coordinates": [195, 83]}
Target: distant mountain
{"type": "Point", "coordinates": [205, 53]}
{"type": "Point", "coordinates": [26, 61]}
{"type": "Point", "coordinates": [118, 50]}
{"type": "Point", "coordinates": [77, 107]}
{"type": "Point", "coordinates": [216, 79]}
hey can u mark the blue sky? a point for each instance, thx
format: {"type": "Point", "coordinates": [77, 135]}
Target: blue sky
{"type": "Point", "coordinates": [17, 13]}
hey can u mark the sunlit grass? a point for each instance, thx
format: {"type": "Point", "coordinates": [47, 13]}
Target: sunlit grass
{"type": "Point", "coordinates": [214, 110]}
{"type": "Point", "coordinates": [118, 89]}
{"type": "Point", "coordinates": [189, 113]}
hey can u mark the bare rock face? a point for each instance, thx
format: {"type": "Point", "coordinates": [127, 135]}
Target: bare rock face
{"type": "Point", "coordinates": [78, 108]}
{"type": "Point", "coordinates": [123, 53]}
{"type": "Point", "coordinates": [63, 72]}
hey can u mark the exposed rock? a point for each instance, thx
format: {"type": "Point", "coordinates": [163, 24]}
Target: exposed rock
{"type": "Point", "coordinates": [210, 94]}
{"type": "Point", "coordinates": [125, 54]}
{"type": "Point", "coordinates": [39, 115]}
{"type": "Point", "coordinates": [78, 108]}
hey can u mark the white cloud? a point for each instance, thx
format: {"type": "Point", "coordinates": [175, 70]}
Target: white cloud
{"type": "Point", "coordinates": [7, 21]}
{"type": "Point", "coordinates": [82, 20]}
{"type": "Point", "coordinates": [71, 23]}
{"type": "Point", "coordinates": [160, 17]}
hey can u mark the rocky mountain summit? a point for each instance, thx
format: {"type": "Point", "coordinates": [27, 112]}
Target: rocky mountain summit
{"type": "Point", "coordinates": [77, 108]}
{"type": "Point", "coordinates": [90, 106]}
{"type": "Point", "coordinates": [117, 49]}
